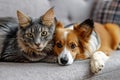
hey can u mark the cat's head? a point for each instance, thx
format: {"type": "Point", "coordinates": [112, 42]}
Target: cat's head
{"type": "Point", "coordinates": [35, 33]}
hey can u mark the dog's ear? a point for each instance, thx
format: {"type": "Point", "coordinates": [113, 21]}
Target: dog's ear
{"type": "Point", "coordinates": [85, 28]}
{"type": "Point", "coordinates": [23, 20]}
{"type": "Point", "coordinates": [59, 25]}
{"type": "Point", "coordinates": [48, 18]}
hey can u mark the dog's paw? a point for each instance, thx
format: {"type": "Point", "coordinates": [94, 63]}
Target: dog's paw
{"type": "Point", "coordinates": [98, 61]}
{"type": "Point", "coordinates": [96, 65]}
{"type": "Point", "coordinates": [118, 48]}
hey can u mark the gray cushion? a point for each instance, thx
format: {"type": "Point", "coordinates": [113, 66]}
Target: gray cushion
{"type": "Point", "coordinates": [66, 10]}
{"type": "Point", "coordinates": [70, 11]}
{"type": "Point", "coordinates": [34, 8]}
{"type": "Point", "coordinates": [77, 71]}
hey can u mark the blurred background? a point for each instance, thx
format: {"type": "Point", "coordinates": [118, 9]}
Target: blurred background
{"type": "Point", "coordinates": [67, 11]}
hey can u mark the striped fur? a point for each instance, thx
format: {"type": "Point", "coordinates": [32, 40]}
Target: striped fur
{"type": "Point", "coordinates": [30, 42]}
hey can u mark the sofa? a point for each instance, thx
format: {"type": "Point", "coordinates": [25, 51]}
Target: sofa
{"type": "Point", "coordinates": [67, 11]}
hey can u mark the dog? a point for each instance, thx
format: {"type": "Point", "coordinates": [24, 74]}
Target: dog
{"type": "Point", "coordinates": [86, 40]}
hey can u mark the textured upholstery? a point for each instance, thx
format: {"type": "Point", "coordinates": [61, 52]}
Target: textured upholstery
{"type": "Point", "coordinates": [34, 8]}
{"type": "Point", "coordinates": [66, 10]}
{"type": "Point", "coordinates": [107, 11]}
{"type": "Point", "coordinates": [72, 10]}
{"type": "Point", "coordinates": [80, 70]}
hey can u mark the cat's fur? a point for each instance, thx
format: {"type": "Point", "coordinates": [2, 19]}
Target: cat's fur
{"type": "Point", "coordinates": [28, 40]}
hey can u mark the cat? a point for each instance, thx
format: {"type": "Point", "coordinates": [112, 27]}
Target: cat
{"type": "Point", "coordinates": [28, 40]}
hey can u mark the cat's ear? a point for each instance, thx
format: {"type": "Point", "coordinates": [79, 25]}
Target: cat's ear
{"type": "Point", "coordinates": [23, 20]}
{"type": "Point", "coordinates": [85, 28]}
{"type": "Point", "coordinates": [48, 17]}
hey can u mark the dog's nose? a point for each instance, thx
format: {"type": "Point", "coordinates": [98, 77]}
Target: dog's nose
{"type": "Point", "coordinates": [64, 60]}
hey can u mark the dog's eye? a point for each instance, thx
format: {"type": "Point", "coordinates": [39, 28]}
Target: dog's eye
{"type": "Point", "coordinates": [72, 46]}
{"type": "Point", "coordinates": [59, 45]}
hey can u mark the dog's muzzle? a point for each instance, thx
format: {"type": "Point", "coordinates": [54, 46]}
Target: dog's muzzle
{"type": "Point", "coordinates": [65, 58]}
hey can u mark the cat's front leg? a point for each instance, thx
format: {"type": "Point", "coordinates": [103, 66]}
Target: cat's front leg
{"type": "Point", "coordinates": [50, 59]}
{"type": "Point", "coordinates": [98, 60]}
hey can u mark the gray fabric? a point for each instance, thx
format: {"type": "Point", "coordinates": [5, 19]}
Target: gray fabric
{"type": "Point", "coordinates": [33, 8]}
{"type": "Point", "coordinates": [107, 11]}
{"type": "Point", "coordinates": [44, 71]}
{"type": "Point", "coordinates": [112, 75]}
{"type": "Point", "coordinates": [70, 11]}
{"type": "Point", "coordinates": [67, 11]}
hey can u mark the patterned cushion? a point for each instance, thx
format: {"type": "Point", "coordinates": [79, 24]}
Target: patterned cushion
{"type": "Point", "coordinates": [107, 11]}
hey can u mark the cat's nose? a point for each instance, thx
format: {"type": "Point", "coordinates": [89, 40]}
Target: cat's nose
{"type": "Point", "coordinates": [37, 44]}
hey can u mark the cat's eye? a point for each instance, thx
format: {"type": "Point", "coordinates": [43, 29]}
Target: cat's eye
{"type": "Point", "coordinates": [72, 45]}
{"type": "Point", "coordinates": [59, 45]}
{"type": "Point", "coordinates": [30, 35]}
{"type": "Point", "coordinates": [44, 33]}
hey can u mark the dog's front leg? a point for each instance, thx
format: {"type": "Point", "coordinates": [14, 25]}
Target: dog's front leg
{"type": "Point", "coordinates": [98, 60]}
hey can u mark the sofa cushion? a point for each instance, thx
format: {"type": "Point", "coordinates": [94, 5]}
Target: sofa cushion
{"type": "Point", "coordinates": [70, 11]}
{"type": "Point", "coordinates": [79, 70]}
{"type": "Point", "coordinates": [34, 8]}
{"type": "Point", "coordinates": [107, 11]}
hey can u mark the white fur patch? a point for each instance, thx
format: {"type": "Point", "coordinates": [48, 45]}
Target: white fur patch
{"type": "Point", "coordinates": [98, 60]}
{"type": "Point", "coordinates": [66, 53]}
{"type": "Point", "coordinates": [94, 44]}
{"type": "Point", "coordinates": [70, 27]}
{"type": "Point", "coordinates": [65, 34]}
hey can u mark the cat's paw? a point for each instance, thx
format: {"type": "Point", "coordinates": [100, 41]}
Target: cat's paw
{"type": "Point", "coordinates": [98, 61]}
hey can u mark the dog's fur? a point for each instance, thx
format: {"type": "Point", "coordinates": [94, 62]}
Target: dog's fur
{"type": "Point", "coordinates": [86, 40]}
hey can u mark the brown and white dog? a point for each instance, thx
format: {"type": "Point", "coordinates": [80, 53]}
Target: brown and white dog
{"type": "Point", "coordinates": [86, 40]}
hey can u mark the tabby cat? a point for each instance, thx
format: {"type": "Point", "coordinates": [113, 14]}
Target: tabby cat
{"type": "Point", "coordinates": [29, 40]}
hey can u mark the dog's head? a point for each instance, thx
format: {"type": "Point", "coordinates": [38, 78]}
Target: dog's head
{"type": "Point", "coordinates": [70, 44]}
